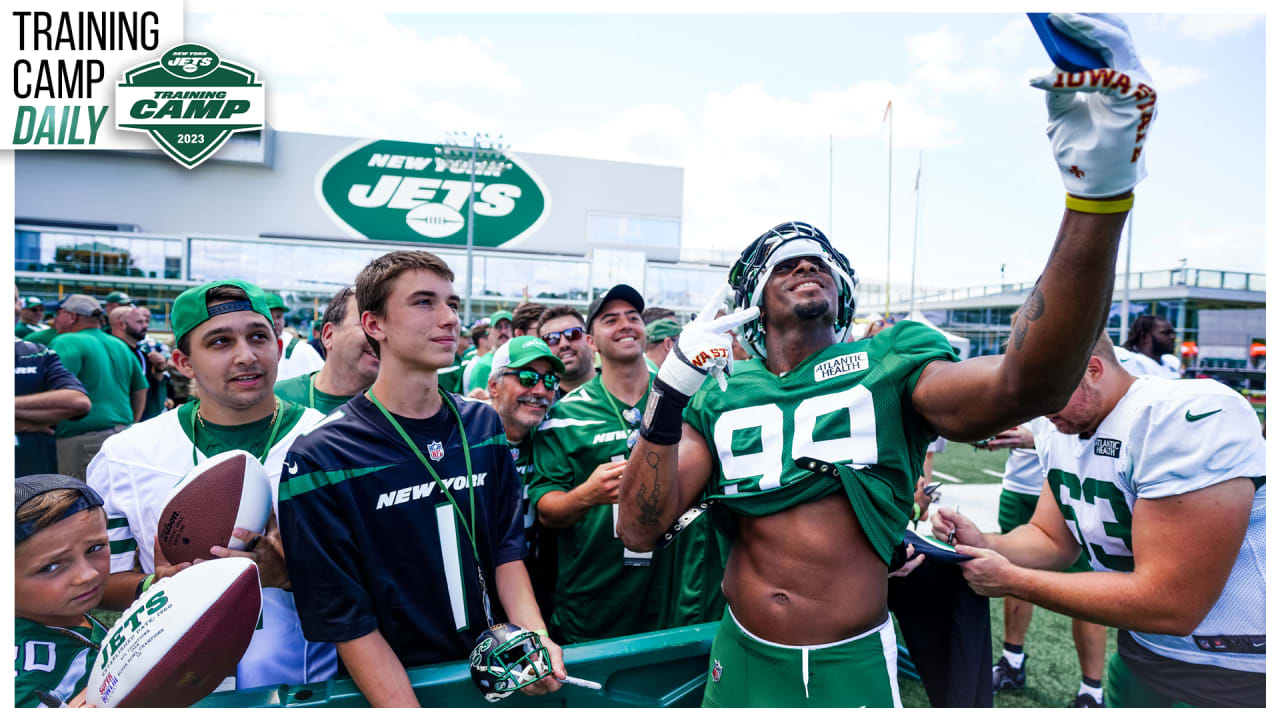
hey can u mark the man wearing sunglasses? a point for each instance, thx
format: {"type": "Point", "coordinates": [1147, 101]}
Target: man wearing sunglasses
{"type": "Point", "coordinates": [564, 330]}
{"type": "Point", "coordinates": [522, 386]}
{"type": "Point", "coordinates": [602, 589]}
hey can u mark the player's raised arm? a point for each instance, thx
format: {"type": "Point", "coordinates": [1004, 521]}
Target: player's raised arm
{"type": "Point", "coordinates": [1098, 123]}
{"type": "Point", "coordinates": [669, 467]}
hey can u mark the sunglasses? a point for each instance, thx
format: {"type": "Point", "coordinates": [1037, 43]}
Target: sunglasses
{"type": "Point", "coordinates": [573, 334]}
{"type": "Point", "coordinates": [530, 378]}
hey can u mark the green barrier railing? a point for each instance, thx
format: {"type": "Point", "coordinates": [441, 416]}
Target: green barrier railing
{"type": "Point", "coordinates": [667, 668]}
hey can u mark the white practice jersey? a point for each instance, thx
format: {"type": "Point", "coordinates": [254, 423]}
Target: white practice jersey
{"type": "Point", "coordinates": [1168, 438]}
{"type": "Point", "coordinates": [134, 472]}
{"type": "Point", "coordinates": [1023, 472]}
{"type": "Point", "coordinates": [1138, 365]}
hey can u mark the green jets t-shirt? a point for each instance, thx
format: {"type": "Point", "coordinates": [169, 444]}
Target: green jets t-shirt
{"type": "Point", "coordinates": [849, 404]}
{"type": "Point", "coordinates": [53, 660]}
{"type": "Point", "coordinates": [602, 589]}
{"type": "Point", "coordinates": [109, 371]}
{"type": "Point", "coordinates": [302, 389]}
{"type": "Point", "coordinates": [212, 439]}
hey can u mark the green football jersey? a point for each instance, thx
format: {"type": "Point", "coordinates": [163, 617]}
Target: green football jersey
{"type": "Point", "coordinates": [302, 389]}
{"type": "Point", "coordinates": [850, 404]}
{"type": "Point", "coordinates": [602, 589]}
{"type": "Point", "coordinates": [53, 660]}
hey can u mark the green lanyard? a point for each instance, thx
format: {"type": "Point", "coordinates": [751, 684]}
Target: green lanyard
{"type": "Point", "coordinates": [271, 438]}
{"type": "Point", "coordinates": [471, 488]}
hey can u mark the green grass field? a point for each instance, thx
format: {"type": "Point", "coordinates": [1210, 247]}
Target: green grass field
{"type": "Point", "coordinates": [967, 463]}
{"type": "Point", "coordinates": [1053, 672]}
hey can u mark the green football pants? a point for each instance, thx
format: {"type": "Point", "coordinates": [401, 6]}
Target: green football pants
{"type": "Point", "coordinates": [747, 671]}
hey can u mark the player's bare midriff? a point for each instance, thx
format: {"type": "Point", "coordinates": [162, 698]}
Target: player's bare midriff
{"type": "Point", "coordinates": [807, 575]}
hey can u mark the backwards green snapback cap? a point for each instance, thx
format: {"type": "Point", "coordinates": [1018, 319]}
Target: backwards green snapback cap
{"type": "Point", "coordinates": [276, 302]}
{"type": "Point", "coordinates": [190, 309]}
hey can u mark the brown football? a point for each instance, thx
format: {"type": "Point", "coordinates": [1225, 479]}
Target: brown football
{"type": "Point", "coordinates": [226, 491]}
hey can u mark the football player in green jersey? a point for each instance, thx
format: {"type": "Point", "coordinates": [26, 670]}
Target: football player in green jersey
{"type": "Point", "coordinates": [806, 580]}
{"type": "Point", "coordinates": [350, 366]}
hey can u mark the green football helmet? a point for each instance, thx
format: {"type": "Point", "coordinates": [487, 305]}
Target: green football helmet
{"type": "Point", "coordinates": [756, 263]}
{"type": "Point", "coordinates": [506, 658]}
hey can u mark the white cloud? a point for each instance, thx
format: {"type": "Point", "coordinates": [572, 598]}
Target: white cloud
{"type": "Point", "coordinates": [644, 133]}
{"type": "Point", "coordinates": [387, 81]}
{"type": "Point", "coordinates": [938, 46]}
{"type": "Point", "coordinates": [1205, 27]}
{"type": "Point", "coordinates": [1167, 77]}
{"type": "Point", "coordinates": [1012, 39]}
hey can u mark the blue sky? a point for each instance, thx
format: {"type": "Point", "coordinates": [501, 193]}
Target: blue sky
{"type": "Point", "coordinates": [746, 103]}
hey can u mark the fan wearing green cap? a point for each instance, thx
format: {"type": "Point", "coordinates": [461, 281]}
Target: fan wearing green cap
{"type": "Point", "coordinates": [30, 316]}
{"type": "Point", "coordinates": [297, 357]}
{"type": "Point", "coordinates": [522, 387]}
{"type": "Point", "coordinates": [476, 376]}
{"type": "Point", "coordinates": [226, 343]}
{"type": "Point", "coordinates": [579, 453]}
{"type": "Point", "coordinates": [662, 336]}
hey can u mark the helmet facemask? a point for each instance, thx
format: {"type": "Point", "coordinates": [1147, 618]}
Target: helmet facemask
{"type": "Point", "coordinates": [506, 659]}
{"type": "Point", "coordinates": [754, 267]}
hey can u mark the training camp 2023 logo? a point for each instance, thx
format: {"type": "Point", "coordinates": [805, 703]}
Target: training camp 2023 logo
{"type": "Point", "coordinates": [190, 101]}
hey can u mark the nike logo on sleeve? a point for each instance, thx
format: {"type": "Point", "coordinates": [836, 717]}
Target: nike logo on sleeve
{"type": "Point", "coordinates": [1193, 418]}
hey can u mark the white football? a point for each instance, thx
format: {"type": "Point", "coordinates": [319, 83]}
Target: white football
{"type": "Point", "coordinates": [226, 491]}
{"type": "Point", "coordinates": [434, 220]}
{"type": "Point", "coordinates": [180, 639]}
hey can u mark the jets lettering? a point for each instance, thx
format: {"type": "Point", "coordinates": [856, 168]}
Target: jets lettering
{"type": "Point", "coordinates": [424, 490]}
{"type": "Point", "coordinates": [399, 192]}
{"type": "Point", "coordinates": [127, 625]}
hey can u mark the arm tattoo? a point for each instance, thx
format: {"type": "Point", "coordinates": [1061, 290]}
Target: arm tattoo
{"type": "Point", "coordinates": [648, 502]}
{"type": "Point", "coordinates": [1032, 310]}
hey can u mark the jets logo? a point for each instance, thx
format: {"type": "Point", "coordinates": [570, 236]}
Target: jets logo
{"type": "Point", "coordinates": [190, 101]}
{"type": "Point", "coordinates": [418, 192]}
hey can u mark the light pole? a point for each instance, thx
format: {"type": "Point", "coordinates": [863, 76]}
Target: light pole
{"type": "Point", "coordinates": [474, 147]}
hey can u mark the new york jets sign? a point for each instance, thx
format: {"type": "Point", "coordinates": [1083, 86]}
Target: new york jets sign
{"type": "Point", "coordinates": [190, 101]}
{"type": "Point", "coordinates": [390, 190]}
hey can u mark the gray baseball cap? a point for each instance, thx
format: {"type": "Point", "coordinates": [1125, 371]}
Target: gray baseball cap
{"type": "Point", "coordinates": [78, 304]}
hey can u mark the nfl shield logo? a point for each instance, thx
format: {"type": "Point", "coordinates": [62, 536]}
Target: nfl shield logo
{"type": "Point", "coordinates": [716, 670]}
{"type": "Point", "coordinates": [435, 450]}
{"type": "Point", "coordinates": [515, 454]}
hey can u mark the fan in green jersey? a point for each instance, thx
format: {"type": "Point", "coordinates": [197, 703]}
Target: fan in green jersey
{"type": "Point", "coordinates": [350, 366]}
{"type": "Point", "coordinates": [61, 564]}
{"type": "Point", "coordinates": [602, 589]}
